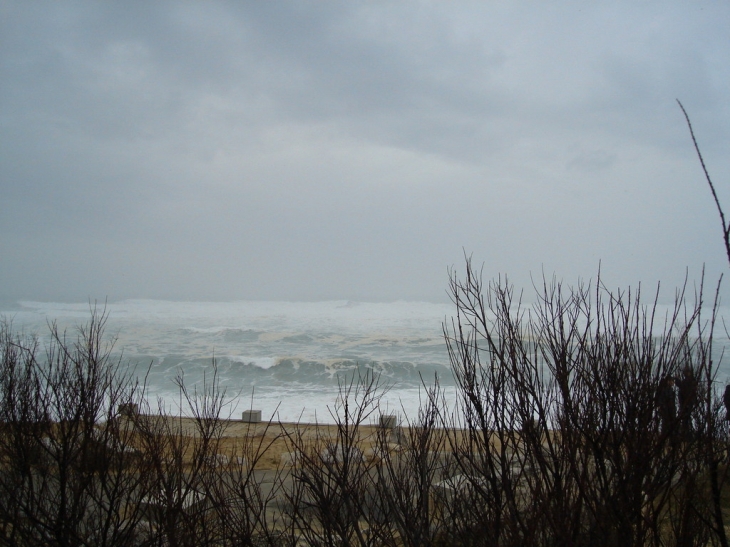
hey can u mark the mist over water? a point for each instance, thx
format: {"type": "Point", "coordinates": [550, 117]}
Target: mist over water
{"type": "Point", "coordinates": [287, 359]}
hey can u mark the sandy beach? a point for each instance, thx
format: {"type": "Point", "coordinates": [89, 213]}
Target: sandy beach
{"type": "Point", "coordinates": [273, 441]}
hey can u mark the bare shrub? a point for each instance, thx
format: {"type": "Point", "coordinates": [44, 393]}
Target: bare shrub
{"type": "Point", "coordinates": [65, 453]}
{"type": "Point", "coordinates": [565, 440]}
{"type": "Point", "coordinates": [83, 461]}
{"type": "Point", "coordinates": [197, 493]}
{"type": "Point", "coordinates": [246, 502]}
{"type": "Point", "coordinates": [407, 473]}
{"type": "Point", "coordinates": [332, 496]}
{"type": "Point", "coordinates": [586, 418]}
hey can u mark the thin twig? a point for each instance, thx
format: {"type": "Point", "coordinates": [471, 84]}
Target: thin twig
{"type": "Point", "coordinates": [725, 225]}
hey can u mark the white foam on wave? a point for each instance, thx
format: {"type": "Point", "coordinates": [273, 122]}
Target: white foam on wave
{"type": "Point", "coordinates": [264, 363]}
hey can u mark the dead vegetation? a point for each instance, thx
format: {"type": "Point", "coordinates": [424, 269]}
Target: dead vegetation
{"type": "Point", "coordinates": [566, 431]}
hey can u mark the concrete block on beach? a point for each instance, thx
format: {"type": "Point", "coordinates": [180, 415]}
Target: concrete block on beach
{"type": "Point", "coordinates": [251, 416]}
{"type": "Point", "coordinates": [397, 436]}
{"type": "Point", "coordinates": [388, 421]}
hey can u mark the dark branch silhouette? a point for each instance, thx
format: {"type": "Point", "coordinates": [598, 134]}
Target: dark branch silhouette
{"type": "Point", "coordinates": [725, 225]}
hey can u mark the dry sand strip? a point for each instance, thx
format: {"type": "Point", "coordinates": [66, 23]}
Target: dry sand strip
{"type": "Point", "coordinates": [273, 440]}
{"type": "Point", "coordinates": [273, 444]}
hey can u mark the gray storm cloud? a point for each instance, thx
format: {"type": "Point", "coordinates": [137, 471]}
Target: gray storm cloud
{"type": "Point", "coordinates": [306, 151]}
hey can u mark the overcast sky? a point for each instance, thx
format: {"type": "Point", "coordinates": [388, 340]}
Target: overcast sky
{"type": "Point", "coordinates": [356, 150]}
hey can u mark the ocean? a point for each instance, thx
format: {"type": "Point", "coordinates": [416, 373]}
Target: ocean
{"type": "Point", "coordinates": [287, 359]}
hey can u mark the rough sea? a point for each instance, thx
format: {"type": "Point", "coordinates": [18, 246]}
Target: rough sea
{"type": "Point", "coordinates": [287, 359]}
